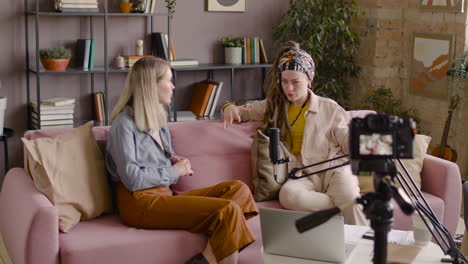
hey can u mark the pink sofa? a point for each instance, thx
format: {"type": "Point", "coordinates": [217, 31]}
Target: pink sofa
{"type": "Point", "coordinates": [29, 224]}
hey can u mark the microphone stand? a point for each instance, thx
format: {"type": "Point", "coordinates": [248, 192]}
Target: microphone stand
{"type": "Point", "coordinates": [377, 205]}
{"type": "Point", "coordinates": [442, 235]}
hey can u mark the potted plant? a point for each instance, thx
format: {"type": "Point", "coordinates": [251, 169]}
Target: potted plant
{"type": "Point", "coordinates": [55, 59]}
{"type": "Point", "coordinates": [232, 49]}
{"type": "Point", "coordinates": [323, 28]}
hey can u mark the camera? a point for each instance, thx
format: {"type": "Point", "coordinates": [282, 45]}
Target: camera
{"type": "Point", "coordinates": [378, 136]}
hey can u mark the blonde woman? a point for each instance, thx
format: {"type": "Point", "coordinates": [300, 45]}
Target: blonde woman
{"type": "Point", "coordinates": [313, 128]}
{"type": "Point", "coordinates": [142, 162]}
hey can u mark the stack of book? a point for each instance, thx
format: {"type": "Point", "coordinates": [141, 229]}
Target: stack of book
{"type": "Point", "coordinates": [161, 48]}
{"type": "Point", "coordinates": [84, 54]}
{"type": "Point", "coordinates": [54, 113]}
{"type": "Point", "coordinates": [204, 101]}
{"type": "Point", "coordinates": [253, 51]}
{"type": "Point", "coordinates": [76, 6]}
{"type": "Point", "coordinates": [130, 60]}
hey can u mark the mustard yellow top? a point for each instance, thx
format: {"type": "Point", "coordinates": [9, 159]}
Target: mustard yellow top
{"type": "Point", "coordinates": [297, 127]}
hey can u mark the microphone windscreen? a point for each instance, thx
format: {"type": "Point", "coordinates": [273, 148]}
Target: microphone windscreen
{"type": "Point", "coordinates": [273, 134]}
{"type": "Point", "coordinates": [315, 219]}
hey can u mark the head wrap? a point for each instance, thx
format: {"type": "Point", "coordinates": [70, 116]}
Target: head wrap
{"type": "Point", "coordinates": [297, 60]}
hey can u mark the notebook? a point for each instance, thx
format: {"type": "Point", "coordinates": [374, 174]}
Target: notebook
{"type": "Point", "coordinates": [324, 242]}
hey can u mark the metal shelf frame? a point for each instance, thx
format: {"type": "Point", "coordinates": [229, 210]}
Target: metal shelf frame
{"type": "Point", "coordinates": [34, 67]}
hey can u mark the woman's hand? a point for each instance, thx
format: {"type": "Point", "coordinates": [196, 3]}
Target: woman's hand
{"type": "Point", "coordinates": [175, 159]}
{"type": "Point", "coordinates": [233, 113]}
{"type": "Point", "coordinates": [183, 167]}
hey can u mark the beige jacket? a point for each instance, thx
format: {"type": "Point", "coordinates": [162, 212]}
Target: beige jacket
{"type": "Point", "coordinates": [325, 131]}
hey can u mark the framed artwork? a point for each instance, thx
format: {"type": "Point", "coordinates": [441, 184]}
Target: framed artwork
{"type": "Point", "coordinates": [431, 60]}
{"type": "Point", "coordinates": [442, 5]}
{"type": "Point", "coordinates": [226, 5]}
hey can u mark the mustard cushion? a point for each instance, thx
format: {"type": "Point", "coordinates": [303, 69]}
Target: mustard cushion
{"type": "Point", "coordinates": [69, 169]}
{"type": "Point", "coordinates": [414, 166]}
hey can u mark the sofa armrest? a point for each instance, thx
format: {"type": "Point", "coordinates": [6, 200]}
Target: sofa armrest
{"type": "Point", "coordinates": [442, 178]}
{"type": "Point", "coordinates": [28, 221]}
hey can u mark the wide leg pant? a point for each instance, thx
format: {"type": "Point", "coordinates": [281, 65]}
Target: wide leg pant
{"type": "Point", "coordinates": [219, 211]}
{"type": "Point", "coordinates": [323, 191]}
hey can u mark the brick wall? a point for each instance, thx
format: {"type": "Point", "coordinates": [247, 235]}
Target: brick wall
{"type": "Point", "coordinates": [386, 32]}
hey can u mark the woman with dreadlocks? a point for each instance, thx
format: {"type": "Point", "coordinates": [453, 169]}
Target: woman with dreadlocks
{"type": "Point", "coordinates": [313, 129]}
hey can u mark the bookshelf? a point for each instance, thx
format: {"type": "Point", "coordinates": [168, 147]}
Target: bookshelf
{"type": "Point", "coordinates": [211, 68]}
{"type": "Point", "coordinates": [33, 66]}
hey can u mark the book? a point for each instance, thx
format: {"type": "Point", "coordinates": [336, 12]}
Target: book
{"type": "Point", "coordinates": [103, 105]}
{"type": "Point", "coordinates": [148, 4]}
{"type": "Point", "coordinates": [35, 126]}
{"type": "Point", "coordinates": [216, 99]}
{"type": "Point", "coordinates": [252, 50]}
{"type": "Point", "coordinates": [86, 54]}
{"type": "Point", "coordinates": [186, 116]}
{"type": "Point", "coordinates": [66, 109]}
{"type": "Point", "coordinates": [211, 98]}
{"type": "Point", "coordinates": [184, 62]}
{"type": "Point", "coordinates": [99, 115]}
{"type": "Point", "coordinates": [200, 96]}
{"type": "Point", "coordinates": [257, 50]}
{"type": "Point", "coordinates": [82, 5]}
{"type": "Point", "coordinates": [44, 117]}
{"type": "Point", "coordinates": [78, 1]}
{"type": "Point", "coordinates": [53, 122]}
{"type": "Point", "coordinates": [77, 10]}
{"type": "Point", "coordinates": [79, 52]}
{"type": "Point", "coordinates": [58, 101]}
{"type": "Point", "coordinates": [91, 54]}
{"type": "Point", "coordinates": [157, 45]}
{"type": "Point", "coordinates": [263, 56]}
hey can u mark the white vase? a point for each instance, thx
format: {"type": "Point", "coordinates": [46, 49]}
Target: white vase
{"type": "Point", "coordinates": [233, 55]}
{"type": "Point", "coordinates": [3, 102]}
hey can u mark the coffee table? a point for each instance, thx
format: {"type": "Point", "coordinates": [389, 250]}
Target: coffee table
{"type": "Point", "coordinates": [430, 254]}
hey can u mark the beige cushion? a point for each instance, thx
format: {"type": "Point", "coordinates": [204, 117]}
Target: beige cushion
{"type": "Point", "coordinates": [265, 186]}
{"type": "Point", "coordinates": [69, 169]}
{"type": "Point", "coordinates": [414, 166]}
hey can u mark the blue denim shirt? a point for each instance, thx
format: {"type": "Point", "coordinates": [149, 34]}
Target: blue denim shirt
{"type": "Point", "coordinates": [134, 158]}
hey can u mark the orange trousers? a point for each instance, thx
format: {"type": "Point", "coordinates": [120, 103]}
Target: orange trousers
{"type": "Point", "coordinates": [219, 211]}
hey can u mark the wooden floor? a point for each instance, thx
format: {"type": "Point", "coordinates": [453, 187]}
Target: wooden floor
{"type": "Point", "coordinates": [4, 259]}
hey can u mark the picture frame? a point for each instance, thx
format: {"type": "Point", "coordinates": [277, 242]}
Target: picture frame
{"type": "Point", "coordinates": [442, 5]}
{"type": "Point", "coordinates": [431, 59]}
{"type": "Point", "coordinates": [225, 5]}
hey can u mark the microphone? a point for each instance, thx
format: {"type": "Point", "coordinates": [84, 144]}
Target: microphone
{"type": "Point", "coordinates": [315, 219]}
{"type": "Point", "coordinates": [273, 134]}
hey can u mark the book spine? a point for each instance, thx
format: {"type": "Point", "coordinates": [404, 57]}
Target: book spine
{"type": "Point", "coordinates": [215, 100]}
{"type": "Point", "coordinates": [252, 50]}
{"type": "Point", "coordinates": [79, 2]}
{"type": "Point", "coordinates": [79, 6]}
{"type": "Point", "coordinates": [86, 54]}
{"type": "Point", "coordinates": [249, 58]}
{"type": "Point", "coordinates": [77, 10]}
{"type": "Point", "coordinates": [79, 52]}
{"type": "Point", "coordinates": [91, 54]}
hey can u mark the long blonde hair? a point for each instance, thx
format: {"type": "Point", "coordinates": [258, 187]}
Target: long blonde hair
{"type": "Point", "coordinates": [141, 94]}
{"type": "Point", "coordinates": [276, 114]}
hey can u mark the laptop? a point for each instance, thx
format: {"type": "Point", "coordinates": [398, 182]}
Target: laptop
{"type": "Point", "coordinates": [324, 242]}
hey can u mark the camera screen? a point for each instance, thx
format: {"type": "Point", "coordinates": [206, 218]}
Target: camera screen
{"type": "Point", "coordinates": [376, 145]}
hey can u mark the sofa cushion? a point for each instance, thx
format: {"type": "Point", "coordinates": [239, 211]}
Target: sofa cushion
{"type": "Point", "coordinates": [106, 240]}
{"type": "Point", "coordinates": [69, 170]}
{"type": "Point", "coordinates": [216, 153]}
